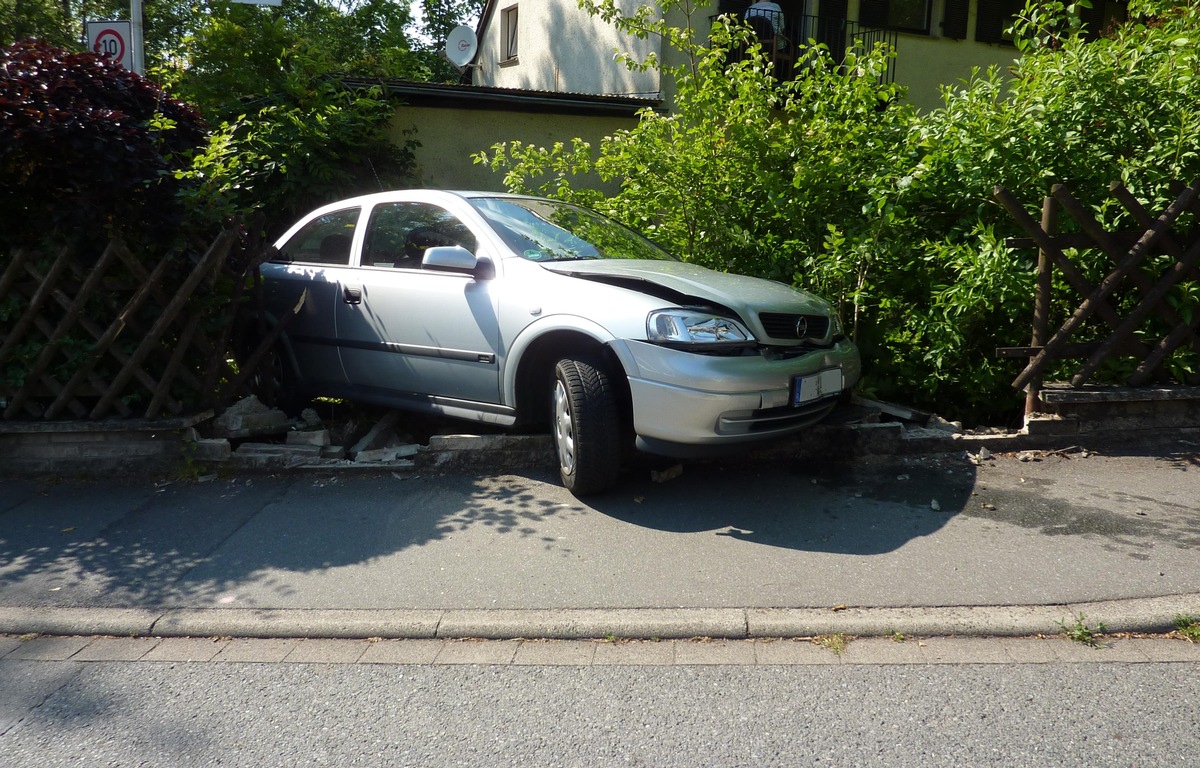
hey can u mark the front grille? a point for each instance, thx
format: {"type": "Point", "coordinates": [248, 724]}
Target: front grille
{"type": "Point", "coordinates": [780, 325]}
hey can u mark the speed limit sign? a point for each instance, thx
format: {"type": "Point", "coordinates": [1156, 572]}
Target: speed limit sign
{"type": "Point", "coordinates": [112, 40]}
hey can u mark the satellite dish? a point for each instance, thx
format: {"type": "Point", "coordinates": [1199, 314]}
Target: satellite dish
{"type": "Point", "coordinates": [461, 46]}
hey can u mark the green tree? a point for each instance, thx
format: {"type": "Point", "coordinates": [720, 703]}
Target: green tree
{"type": "Point", "coordinates": [22, 19]}
{"type": "Point", "coordinates": [282, 159]}
{"type": "Point", "coordinates": [239, 54]}
{"type": "Point", "coordinates": [374, 38]}
{"type": "Point", "coordinates": [286, 133]}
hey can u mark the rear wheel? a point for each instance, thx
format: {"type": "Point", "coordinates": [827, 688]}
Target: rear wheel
{"type": "Point", "coordinates": [586, 426]}
{"type": "Point", "coordinates": [275, 383]}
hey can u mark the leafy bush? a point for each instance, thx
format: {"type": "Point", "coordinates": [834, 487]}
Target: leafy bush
{"type": "Point", "coordinates": [1083, 114]}
{"type": "Point", "coordinates": [87, 148]}
{"type": "Point", "coordinates": [832, 183]}
{"type": "Point", "coordinates": [314, 142]}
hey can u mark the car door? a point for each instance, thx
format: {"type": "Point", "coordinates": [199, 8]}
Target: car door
{"type": "Point", "coordinates": [313, 263]}
{"type": "Point", "coordinates": [413, 331]}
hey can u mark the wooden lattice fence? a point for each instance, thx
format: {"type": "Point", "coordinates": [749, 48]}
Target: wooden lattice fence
{"type": "Point", "coordinates": [1143, 304]}
{"type": "Point", "coordinates": [120, 335]}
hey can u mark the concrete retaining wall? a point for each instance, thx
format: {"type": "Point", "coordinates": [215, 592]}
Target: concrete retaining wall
{"type": "Point", "coordinates": [93, 447]}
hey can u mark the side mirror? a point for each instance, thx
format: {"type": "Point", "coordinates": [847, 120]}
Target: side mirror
{"type": "Point", "coordinates": [455, 258]}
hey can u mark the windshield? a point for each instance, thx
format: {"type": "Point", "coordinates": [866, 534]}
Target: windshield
{"type": "Point", "coordinates": [544, 230]}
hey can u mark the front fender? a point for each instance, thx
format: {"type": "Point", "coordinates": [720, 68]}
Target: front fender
{"type": "Point", "coordinates": [555, 324]}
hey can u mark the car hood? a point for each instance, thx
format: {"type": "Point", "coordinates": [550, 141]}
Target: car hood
{"type": "Point", "coordinates": [736, 292]}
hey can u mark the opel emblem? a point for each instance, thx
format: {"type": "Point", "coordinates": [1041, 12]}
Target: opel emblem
{"type": "Point", "coordinates": [802, 328]}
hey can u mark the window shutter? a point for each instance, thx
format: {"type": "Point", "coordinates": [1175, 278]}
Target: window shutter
{"type": "Point", "coordinates": [954, 19]}
{"type": "Point", "coordinates": [990, 20]}
{"type": "Point", "coordinates": [873, 13]}
{"type": "Point", "coordinates": [833, 9]}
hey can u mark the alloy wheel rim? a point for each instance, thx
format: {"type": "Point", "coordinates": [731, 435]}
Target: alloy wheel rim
{"type": "Point", "coordinates": [564, 428]}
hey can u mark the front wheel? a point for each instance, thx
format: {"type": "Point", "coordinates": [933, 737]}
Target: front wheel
{"type": "Point", "coordinates": [587, 426]}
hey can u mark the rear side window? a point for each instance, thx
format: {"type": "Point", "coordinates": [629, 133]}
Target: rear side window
{"type": "Point", "coordinates": [324, 240]}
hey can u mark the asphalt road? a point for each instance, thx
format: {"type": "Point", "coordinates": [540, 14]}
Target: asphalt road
{"type": "Point", "coordinates": [1085, 714]}
{"type": "Point", "coordinates": [932, 531]}
{"type": "Point", "coordinates": [914, 531]}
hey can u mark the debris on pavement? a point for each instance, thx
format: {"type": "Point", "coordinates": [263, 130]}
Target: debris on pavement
{"type": "Point", "coordinates": [249, 417]}
{"type": "Point", "coordinates": [662, 476]}
{"type": "Point", "coordinates": [978, 458]}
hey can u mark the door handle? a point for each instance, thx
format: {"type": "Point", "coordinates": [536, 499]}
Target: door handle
{"type": "Point", "coordinates": [352, 294]}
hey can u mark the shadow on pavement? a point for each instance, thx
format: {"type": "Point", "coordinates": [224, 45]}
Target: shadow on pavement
{"type": "Point", "coordinates": [113, 543]}
{"type": "Point", "coordinates": [864, 508]}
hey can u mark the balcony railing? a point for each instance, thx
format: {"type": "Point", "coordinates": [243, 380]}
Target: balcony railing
{"type": "Point", "coordinates": [780, 34]}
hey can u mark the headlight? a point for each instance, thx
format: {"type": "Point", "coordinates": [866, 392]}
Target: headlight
{"type": "Point", "coordinates": [836, 331]}
{"type": "Point", "coordinates": [683, 326]}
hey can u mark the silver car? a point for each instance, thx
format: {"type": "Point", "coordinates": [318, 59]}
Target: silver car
{"type": "Point", "coordinates": [527, 312]}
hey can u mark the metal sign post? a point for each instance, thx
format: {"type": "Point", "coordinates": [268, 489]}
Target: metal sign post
{"type": "Point", "coordinates": [135, 15]}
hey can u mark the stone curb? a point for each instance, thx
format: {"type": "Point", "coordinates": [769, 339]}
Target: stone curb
{"type": "Point", "coordinates": [1147, 615]}
{"type": "Point", "coordinates": [58, 453]}
{"type": "Point", "coordinates": [839, 442]}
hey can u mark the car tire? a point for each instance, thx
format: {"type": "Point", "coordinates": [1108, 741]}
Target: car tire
{"type": "Point", "coordinates": [585, 425]}
{"type": "Point", "coordinates": [275, 383]}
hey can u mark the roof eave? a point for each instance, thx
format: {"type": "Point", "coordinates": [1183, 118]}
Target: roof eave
{"type": "Point", "coordinates": [484, 97]}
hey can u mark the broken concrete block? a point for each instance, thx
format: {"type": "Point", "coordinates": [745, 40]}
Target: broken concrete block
{"type": "Point", "coordinates": [375, 436]}
{"type": "Point", "coordinates": [385, 455]}
{"type": "Point", "coordinates": [248, 418]}
{"type": "Point", "coordinates": [209, 450]}
{"type": "Point", "coordinates": [469, 442]}
{"type": "Point", "coordinates": [1050, 425]}
{"type": "Point", "coordinates": [308, 437]}
{"type": "Point", "coordinates": [273, 449]}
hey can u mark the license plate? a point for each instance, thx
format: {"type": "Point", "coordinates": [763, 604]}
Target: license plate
{"type": "Point", "coordinates": [815, 386]}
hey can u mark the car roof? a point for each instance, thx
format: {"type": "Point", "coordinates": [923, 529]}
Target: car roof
{"type": "Point", "coordinates": [422, 194]}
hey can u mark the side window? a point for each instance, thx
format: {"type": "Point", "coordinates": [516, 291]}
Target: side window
{"type": "Point", "coordinates": [904, 15]}
{"type": "Point", "coordinates": [508, 31]}
{"type": "Point", "coordinates": [399, 233]}
{"type": "Point", "coordinates": [324, 240]}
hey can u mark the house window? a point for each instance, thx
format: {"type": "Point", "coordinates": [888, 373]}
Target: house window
{"type": "Point", "coordinates": [904, 15]}
{"type": "Point", "coordinates": [508, 29]}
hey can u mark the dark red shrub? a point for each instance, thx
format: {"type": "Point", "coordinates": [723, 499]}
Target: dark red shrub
{"type": "Point", "coordinates": [87, 149]}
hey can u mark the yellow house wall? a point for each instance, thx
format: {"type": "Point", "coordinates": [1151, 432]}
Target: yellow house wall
{"type": "Point", "coordinates": [924, 65]}
{"type": "Point", "coordinates": [449, 137]}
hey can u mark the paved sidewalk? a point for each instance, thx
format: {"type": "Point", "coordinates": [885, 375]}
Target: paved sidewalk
{"type": "Point", "coordinates": [1014, 544]}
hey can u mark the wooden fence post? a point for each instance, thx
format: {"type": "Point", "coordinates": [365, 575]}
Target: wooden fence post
{"type": "Point", "coordinates": [1041, 304]}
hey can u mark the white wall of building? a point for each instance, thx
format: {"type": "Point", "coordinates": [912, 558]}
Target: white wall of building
{"type": "Point", "coordinates": [563, 49]}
